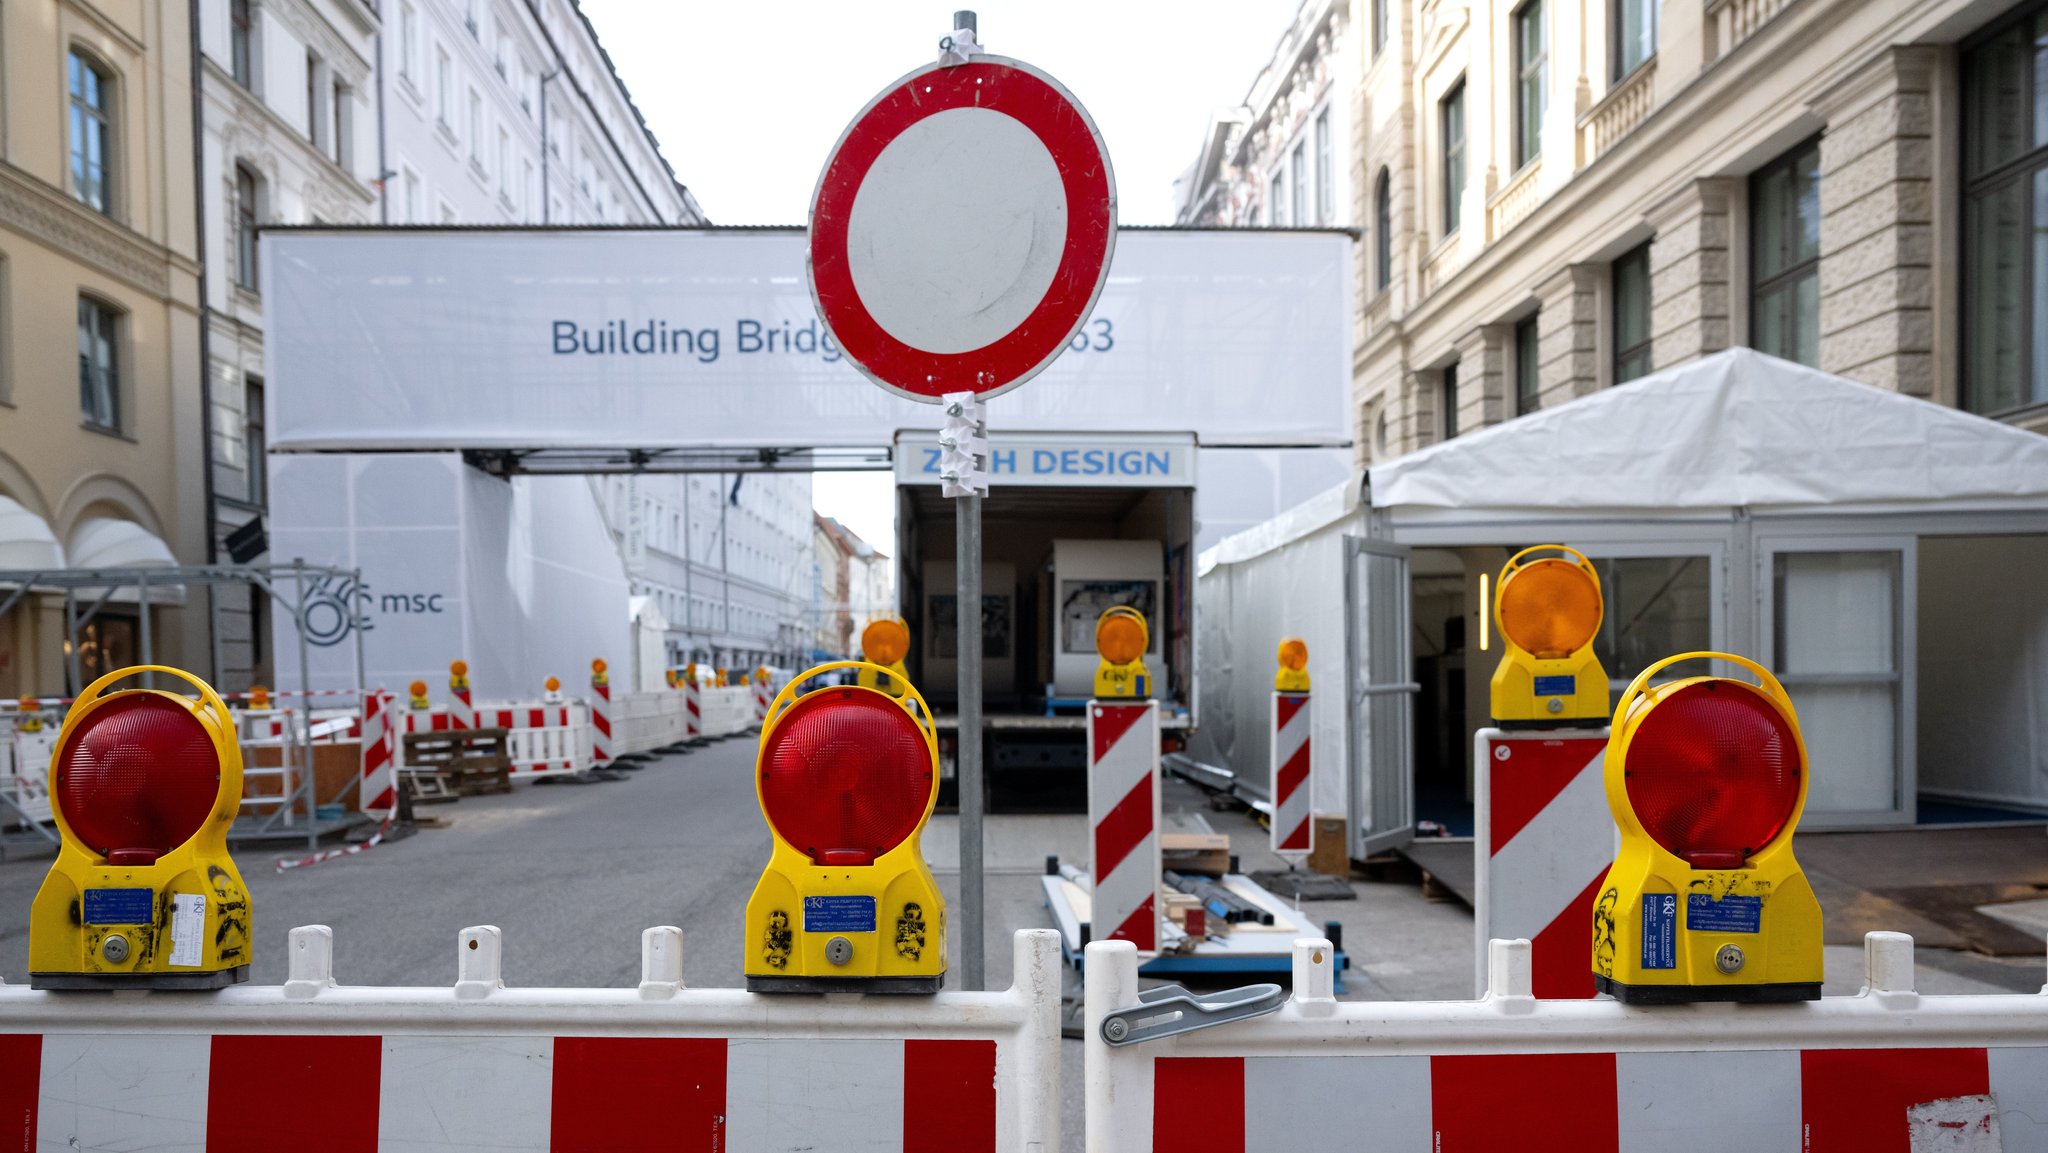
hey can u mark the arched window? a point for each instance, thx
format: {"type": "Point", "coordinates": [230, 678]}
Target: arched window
{"type": "Point", "coordinates": [248, 215]}
{"type": "Point", "coordinates": [92, 134]}
{"type": "Point", "coordinates": [1383, 232]}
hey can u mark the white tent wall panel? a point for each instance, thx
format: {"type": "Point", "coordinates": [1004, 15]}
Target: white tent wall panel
{"type": "Point", "coordinates": [1984, 668]}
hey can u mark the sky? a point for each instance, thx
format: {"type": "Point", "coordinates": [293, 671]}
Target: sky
{"type": "Point", "coordinates": [748, 99]}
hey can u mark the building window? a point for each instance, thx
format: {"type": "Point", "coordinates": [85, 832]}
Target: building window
{"type": "Point", "coordinates": [412, 197]}
{"type": "Point", "coordinates": [92, 135]}
{"type": "Point", "coordinates": [2005, 209]}
{"type": "Point", "coordinates": [1451, 123]}
{"type": "Point", "coordinates": [476, 127]}
{"type": "Point", "coordinates": [408, 42]}
{"type": "Point", "coordinates": [1784, 216]}
{"type": "Point", "coordinates": [1276, 209]}
{"type": "Point", "coordinates": [444, 89]}
{"type": "Point", "coordinates": [1528, 384]}
{"type": "Point", "coordinates": [1383, 231]}
{"type": "Point", "coordinates": [253, 440]}
{"type": "Point", "coordinates": [99, 366]}
{"type": "Point", "coordinates": [240, 63]}
{"type": "Point", "coordinates": [1635, 36]}
{"type": "Point", "coordinates": [248, 215]}
{"type": "Point", "coordinates": [1449, 399]}
{"type": "Point", "coordinates": [338, 150]}
{"type": "Point", "coordinates": [1532, 90]}
{"type": "Point", "coordinates": [1297, 172]}
{"type": "Point", "coordinates": [1379, 26]}
{"type": "Point", "coordinates": [505, 163]}
{"type": "Point", "coordinates": [1326, 171]}
{"type": "Point", "coordinates": [313, 99]}
{"type": "Point", "coordinates": [1631, 290]}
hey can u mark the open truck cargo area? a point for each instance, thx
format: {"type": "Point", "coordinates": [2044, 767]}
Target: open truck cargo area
{"type": "Point", "coordinates": [1083, 525]}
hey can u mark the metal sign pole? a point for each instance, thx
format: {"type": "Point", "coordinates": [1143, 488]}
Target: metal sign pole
{"type": "Point", "coordinates": [967, 626]}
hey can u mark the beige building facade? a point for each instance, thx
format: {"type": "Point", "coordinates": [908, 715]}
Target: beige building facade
{"type": "Point", "coordinates": [1556, 196]}
{"type": "Point", "coordinates": [102, 445]}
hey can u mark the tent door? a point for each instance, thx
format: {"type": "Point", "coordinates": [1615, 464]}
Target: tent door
{"type": "Point", "coordinates": [1380, 696]}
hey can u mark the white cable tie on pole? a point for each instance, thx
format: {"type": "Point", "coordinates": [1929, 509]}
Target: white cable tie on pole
{"type": "Point", "coordinates": [959, 48]}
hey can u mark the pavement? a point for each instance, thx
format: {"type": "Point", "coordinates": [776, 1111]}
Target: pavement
{"type": "Point", "coordinates": [573, 873]}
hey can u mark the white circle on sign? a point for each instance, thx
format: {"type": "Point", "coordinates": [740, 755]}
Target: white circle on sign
{"type": "Point", "coordinates": [957, 231]}
{"type": "Point", "coordinates": [1500, 752]}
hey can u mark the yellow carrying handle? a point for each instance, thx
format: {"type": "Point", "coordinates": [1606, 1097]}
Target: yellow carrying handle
{"type": "Point", "coordinates": [1766, 683]}
{"type": "Point", "coordinates": [208, 699]}
{"type": "Point", "coordinates": [787, 697]}
{"type": "Point", "coordinates": [1516, 562]}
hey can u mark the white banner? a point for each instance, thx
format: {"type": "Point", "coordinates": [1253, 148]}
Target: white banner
{"type": "Point", "coordinates": [428, 339]}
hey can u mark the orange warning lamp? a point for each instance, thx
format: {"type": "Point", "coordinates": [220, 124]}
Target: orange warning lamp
{"type": "Point", "coordinates": [1548, 609]}
{"type": "Point", "coordinates": [597, 673]}
{"type": "Point", "coordinates": [1293, 674]}
{"type": "Point", "coordinates": [1707, 779]}
{"type": "Point", "coordinates": [1121, 638]}
{"type": "Point", "coordinates": [458, 675]}
{"type": "Point", "coordinates": [673, 678]}
{"type": "Point", "coordinates": [552, 684]}
{"type": "Point", "coordinates": [847, 778]}
{"type": "Point", "coordinates": [885, 642]}
{"type": "Point", "coordinates": [259, 697]}
{"type": "Point", "coordinates": [419, 695]}
{"type": "Point", "coordinates": [29, 719]}
{"type": "Point", "coordinates": [143, 894]}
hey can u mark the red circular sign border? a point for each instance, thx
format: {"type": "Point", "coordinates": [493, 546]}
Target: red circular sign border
{"type": "Point", "coordinates": [1057, 119]}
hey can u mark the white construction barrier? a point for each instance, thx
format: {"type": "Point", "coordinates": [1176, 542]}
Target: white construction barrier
{"type": "Point", "coordinates": [25, 773]}
{"type": "Point", "coordinates": [1885, 1069]}
{"type": "Point", "coordinates": [542, 740]}
{"type": "Point", "coordinates": [643, 722]}
{"type": "Point", "coordinates": [727, 711]}
{"type": "Point", "coordinates": [483, 1066]}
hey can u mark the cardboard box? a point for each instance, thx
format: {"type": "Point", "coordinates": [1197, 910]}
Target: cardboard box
{"type": "Point", "coordinates": [1332, 854]}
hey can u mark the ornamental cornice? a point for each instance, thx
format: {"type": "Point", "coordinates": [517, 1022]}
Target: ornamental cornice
{"type": "Point", "coordinates": [33, 209]}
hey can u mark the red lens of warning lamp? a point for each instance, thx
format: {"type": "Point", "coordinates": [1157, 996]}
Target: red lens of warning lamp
{"type": "Point", "coordinates": [846, 776]}
{"type": "Point", "coordinates": [1713, 773]}
{"type": "Point", "coordinates": [137, 779]}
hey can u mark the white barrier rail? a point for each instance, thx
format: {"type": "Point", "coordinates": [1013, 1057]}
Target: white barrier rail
{"type": "Point", "coordinates": [728, 711]}
{"type": "Point", "coordinates": [1888, 1068]}
{"type": "Point", "coordinates": [25, 773]}
{"type": "Point", "coordinates": [643, 722]}
{"type": "Point", "coordinates": [481, 1065]}
{"type": "Point", "coordinates": [541, 739]}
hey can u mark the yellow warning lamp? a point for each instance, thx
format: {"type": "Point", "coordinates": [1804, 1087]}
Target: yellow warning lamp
{"type": "Point", "coordinates": [1121, 637]}
{"type": "Point", "coordinates": [30, 718]}
{"type": "Point", "coordinates": [597, 673]}
{"type": "Point", "coordinates": [259, 697]}
{"type": "Point", "coordinates": [1548, 609]}
{"type": "Point", "coordinates": [719, 680]}
{"type": "Point", "coordinates": [1707, 778]}
{"type": "Point", "coordinates": [418, 689]}
{"type": "Point", "coordinates": [761, 675]}
{"type": "Point", "coordinates": [883, 645]}
{"type": "Point", "coordinates": [458, 675]}
{"type": "Point", "coordinates": [143, 894]}
{"type": "Point", "coordinates": [1293, 674]}
{"type": "Point", "coordinates": [673, 679]}
{"type": "Point", "coordinates": [847, 778]}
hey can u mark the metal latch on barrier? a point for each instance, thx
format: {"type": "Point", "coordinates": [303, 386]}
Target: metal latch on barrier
{"type": "Point", "coordinates": [1171, 1009]}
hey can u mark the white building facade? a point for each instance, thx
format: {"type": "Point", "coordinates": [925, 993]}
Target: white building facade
{"type": "Point", "coordinates": [289, 97]}
{"type": "Point", "coordinates": [727, 557]}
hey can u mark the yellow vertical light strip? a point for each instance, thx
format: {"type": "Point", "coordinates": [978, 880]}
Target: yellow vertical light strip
{"type": "Point", "coordinates": [1485, 612]}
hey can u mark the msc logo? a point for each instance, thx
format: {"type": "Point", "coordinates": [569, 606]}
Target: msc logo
{"type": "Point", "coordinates": [335, 606]}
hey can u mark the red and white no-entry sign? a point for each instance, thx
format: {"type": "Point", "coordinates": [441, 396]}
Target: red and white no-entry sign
{"type": "Point", "coordinates": [962, 228]}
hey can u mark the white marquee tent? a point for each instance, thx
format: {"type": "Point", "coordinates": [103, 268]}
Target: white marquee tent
{"type": "Point", "coordinates": [1881, 553]}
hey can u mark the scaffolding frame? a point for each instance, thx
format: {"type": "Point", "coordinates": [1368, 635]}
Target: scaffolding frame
{"type": "Point", "coordinates": [271, 578]}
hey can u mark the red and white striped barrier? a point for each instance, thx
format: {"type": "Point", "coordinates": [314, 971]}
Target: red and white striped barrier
{"type": "Point", "coordinates": [341, 1069]}
{"type": "Point", "coordinates": [693, 708]}
{"type": "Point", "coordinates": [379, 793]}
{"type": "Point", "coordinates": [1293, 824]}
{"type": "Point", "coordinates": [1543, 838]}
{"type": "Point", "coordinates": [762, 696]}
{"type": "Point", "coordinates": [1888, 1069]}
{"type": "Point", "coordinates": [600, 718]}
{"type": "Point", "coordinates": [1123, 822]}
{"type": "Point", "coordinates": [462, 708]}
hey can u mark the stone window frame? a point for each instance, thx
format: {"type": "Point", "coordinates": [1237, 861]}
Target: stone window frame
{"type": "Point", "coordinates": [1383, 231]}
{"type": "Point", "coordinates": [1451, 114]}
{"type": "Point", "coordinates": [1528, 361]}
{"type": "Point", "coordinates": [1531, 79]}
{"type": "Point", "coordinates": [2029, 167]}
{"type": "Point", "coordinates": [1625, 356]}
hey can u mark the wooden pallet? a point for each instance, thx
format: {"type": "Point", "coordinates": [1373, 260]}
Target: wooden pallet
{"type": "Point", "coordinates": [471, 761]}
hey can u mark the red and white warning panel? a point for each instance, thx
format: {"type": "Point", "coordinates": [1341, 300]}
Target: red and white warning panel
{"type": "Point", "coordinates": [1888, 1069]}
{"type": "Point", "coordinates": [1543, 838]}
{"type": "Point", "coordinates": [1123, 822]}
{"type": "Point", "coordinates": [311, 1066]}
{"type": "Point", "coordinates": [1293, 825]}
